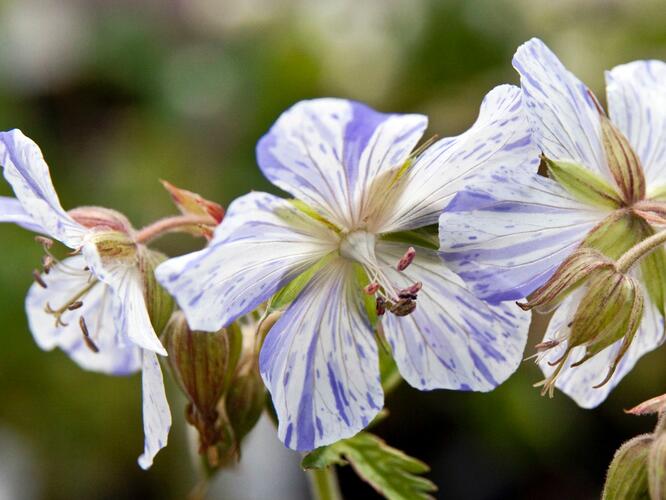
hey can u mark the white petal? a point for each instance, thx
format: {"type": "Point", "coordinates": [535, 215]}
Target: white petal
{"type": "Point", "coordinates": [560, 107]}
{"type": "Point", "coordinates": [637, 106]}
{"type": "Point", "coordinates": [499, 137]}
{"type": "Point", "coordinates": [328, 152]}
{"type": "Point", "coordinates": [578, 382]}
{"type": "Point", "coordinates": [156, 414]}
{"type": "Point", "coordinates": [128, 298]}
{"type": "Point", "coordinates": [64, 283]}
{"type": "Point", "coordinates": [28, 174]}
{"type": "Point", "coordinates": [509, 230]}
{"type": "Point", "coordinates": [320, 363]}
{"type": "Point", "coordinates": [452, 340]}
{"type": "Point", "coordinates": [11, 210]}
{"type": "Point", "coordinates": [263, 243]}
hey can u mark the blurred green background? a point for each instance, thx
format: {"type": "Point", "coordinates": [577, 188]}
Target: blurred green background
{"type": "Point", "coordinates": [119, 94]}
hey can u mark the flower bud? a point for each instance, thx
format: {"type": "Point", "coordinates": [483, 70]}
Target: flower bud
{"type": "Point", "coordinates": [656, 466]}
{"type": "Point", "coordinates": [158, 300]}
{"type": "Point", "coordinates": [245, 400]}
{"type": "Point", "coordinates": [627, 475]}
{"type": "Point", "coordinates": [190, 203]}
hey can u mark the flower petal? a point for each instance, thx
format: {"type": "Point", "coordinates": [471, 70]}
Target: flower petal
{"type": "Point", "coordinates": [507, 232]}
{"type": "Point", "coordinates": [328, 152]}
{"type": "Point", "coordinates": [320, 362]}
{"type": "Point", "coordinates": [562, 111]}
{"type": "Point", "coordinates": [452, 340]}
{"type": "Point", "coordinates": [128, 298]}
{"type": "Point", "coordinates": [156, 413]}
{"type": "Point", "coordinates": [64, 282]}
{"type": "Point", "coordinates": [11, 210]}
{"type": "Point", "coordinates": [262, 244]}
{"type": "Point", "coordinates": [28, 174]}
{"type": "Point", "coordinates": [637, 106]}
{"type": "Point", "coordinates": [499, 137]}
{"type": "Point", "coordinates": [578, 382]}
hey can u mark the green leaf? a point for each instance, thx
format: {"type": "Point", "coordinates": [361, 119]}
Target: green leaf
{"type": "Point", "coordinates": [391, 472]}
{"type": "Point", "coordinates": [584, 184]}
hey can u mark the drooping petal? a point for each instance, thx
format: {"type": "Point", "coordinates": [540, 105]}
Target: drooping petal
{"type": "Point", "coordinates": [320, 362]}
{"type": "Point", "coordinates": [578, 382]}
{"type": "Point", "coordinates": [562, 111]}
{"type": "Point", "coordinates": [507, 232]}
{"type": "Point", "coordinates": [27, 172]}
{"type": "Point", "coordinates": [452, 340]}
{"type": "Point", "coordinates": [156, 413]}
{"type": "Point", "coordinates": [128, 298]}
{"type": "Point", "coordinates": [499, 137]}
{"type": "Point", "coordinates": [637, 106]}
{"type": "Point", "coordinates": [11, 210]}
{"type": "Point", "coordinates": [328, 152]}
{"type": "Point", "coordinates": [263, 243]}
{"type": "Point", "coordinates": [65, 282]}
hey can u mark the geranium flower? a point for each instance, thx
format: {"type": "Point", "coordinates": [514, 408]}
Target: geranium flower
{"type": "Point", "coordinates": [356, 227]}
{"type": "Point", "coordinates": [511, 229]}
{"type": "Point", "coordinates": [92, 304]}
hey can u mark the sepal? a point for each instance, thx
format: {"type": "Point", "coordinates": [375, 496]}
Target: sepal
{"type": "Point", "coordinates": [627, 475]}
{"type": "Point", "coordinates": [190, 203]}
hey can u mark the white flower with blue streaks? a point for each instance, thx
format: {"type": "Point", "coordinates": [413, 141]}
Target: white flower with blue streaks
{"type": "Point", "coordinates": [91, 305]}
{"type": "Point", "coordinates": [510, 229]}
{"type": "Point", "coordinates": [360, 195]}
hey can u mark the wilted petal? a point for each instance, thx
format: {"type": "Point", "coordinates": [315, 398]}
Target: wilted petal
{"type": "Point", "coordinates": [263, 243]}
{"type": "Point", "coordinates": [319, 362]}
{"type": "Point", "coordinates": [578, 382]}
{"type": "Point", "coordinates": [28, 174]}
{"type": "Point", "coordinates": [64, 282]}
{"type": "Point", "coordinates": [328, 152]}
{"type": "Point", "coordinates": [561, 109]}
{"type": "Point", "coordinates": [637, 106]}
{"type": "Point", "coordinates": [128, 298]}
{"type": "Point", "coordinates": [509, 230]}
{"type": "Point", "coordinates": [156, 414]}
{"type": "Point", "coordinates": [452, 340]}
{"type": "Point", "coordinates": [11, 210]}
{"type": "Point", "coordinates": [499, 137]}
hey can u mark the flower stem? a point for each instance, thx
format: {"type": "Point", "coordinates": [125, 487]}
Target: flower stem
{"type": "Point", "coordinates": [324, 484]}
{"type": "Point", "coordinates": [637, 252]}
{"type": "Point", "coordinates": [170, 224]}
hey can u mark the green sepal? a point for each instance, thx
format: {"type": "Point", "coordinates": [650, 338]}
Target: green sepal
{"type": "Point", "coordinates": [616, 234]}
{"type": "Point", "coordinates": [627, 476]}
{"type": "Point", "coordinates": [584, 184]}
{"type": "Point", "coordinates": [392, 473]}
{"type": "Point", "coordinates": [287, 295]}
{"type": "Point", "coordinates": [653, 273]}
{"type": "Point", "coordinates": [427, 237]}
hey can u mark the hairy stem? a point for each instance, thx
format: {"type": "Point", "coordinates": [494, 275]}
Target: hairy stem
{"type": "Point", "coordinates": [637, 252]}
{"type": "Point", "coordinates": [170, 224]}
{"type": "Point", "coordinates": [324, 484]}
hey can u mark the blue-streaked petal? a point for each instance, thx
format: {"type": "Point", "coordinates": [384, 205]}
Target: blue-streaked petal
{"type": "Point", "coordinates": [263, 243]}
{"type": "Point", "coordinates": [637, 106]}
{"type": "Point", "coordinates": [452, 340]}
{"type": "Point", "coordinates": [64, 282]}
{"type": "Point", "coordinates": [156, 413]}
{"type": "Point", "coordinates": [508, 231]}
{"type": "Point", "coordinates": [561, 109]}
{"type": "Point", "coordinates": [578, 382]}
{"type": "Point", "coordinates": [27, 172]}
{"type": "Point", "coordinates": [320, 363]}
{"type": "Point", "coordinates": [499, 137]}
{"type": "Point", "coordinates": [328, 152]}
{"type": "Point", "coordinates": [128, 298]}
{"type": "Point", "coordinates": [11, 210]}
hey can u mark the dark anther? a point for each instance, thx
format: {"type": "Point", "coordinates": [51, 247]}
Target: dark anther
{"type": "Point", "coordinates": [371, 288]}
{"type": "Point", "coordinates": [75, 305]}
{"type": "Point", "coordinates": [403, 307]}
{"type": "Point", "coordinates": [406, 259]}
{"type": "Point", "coordinates": [86, 336]}
{"type": "Point", "coordinates": [44, 241]}
{"type": "Point", "coordinates": [47, 263]}
{"type": "Point", "coordinates": [380, 306]}
{"type": "Point", "coordinates": [38, 279]}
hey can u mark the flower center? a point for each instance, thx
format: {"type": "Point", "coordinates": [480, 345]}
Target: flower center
{"type": "Point", "coordinates": [359, 246]}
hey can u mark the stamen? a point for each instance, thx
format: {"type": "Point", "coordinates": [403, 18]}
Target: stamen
{"type": "Point", "coordinates": [371, 288]}
{"type": "Point", "coordinates": [86, 336]}
{"type": "Point", "coordinates": [44, 241]}
{"type": "Point", "coordinates": [70, 305]}
{"type": "Point", "coordinates": [47, 263]}
{"type": "Point", "coordinates": [38, 278]}
{"type": "Point", "coordinates": [403, 307]}
{"type": "Point", "coordinates": [380, 306]}
{"type": "Point", "coordinates": [548, 384]}
{"type": "Point", "coordinates": [75, 305]}
{"type": "Point", "coordinates": [406, 259]}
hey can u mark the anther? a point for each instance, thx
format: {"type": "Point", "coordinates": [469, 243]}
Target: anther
{"type": "Point", "coordinates": [47, 263]}
{"type": "Point", "coordinates": [75, 305]}
{"type": "Point", "coordinates": [406, 259]}
{"type": "Point", "coordinates": [44, 241]}
{"type": "Point", "coordinates": [38, 279]}
{"type": "Point", "coordinates": [86, 336]}
{"type": "Point", "coordinates": [380, 306]}
{"type": "Point", "coordinates": [546, 344]}
{"type": "Point", "coordinates": [403, 307]}
{"type": "Point", "coordinates": [371, 288]}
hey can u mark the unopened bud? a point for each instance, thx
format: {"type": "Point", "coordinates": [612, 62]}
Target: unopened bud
{"type": "Point", "coordinates": [245, 400]}
{"type": "Point", "coordinates": [656, 466]}
{"type": "Point", "coordinates": [190, 203]}
{"type": "Point", "coordinates": [627, 475]}
{"type": "Point", "coordinates": [159, 302]}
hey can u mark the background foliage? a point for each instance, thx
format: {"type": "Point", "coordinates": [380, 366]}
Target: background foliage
{"type": "Point", "coordinates": [119, 94]}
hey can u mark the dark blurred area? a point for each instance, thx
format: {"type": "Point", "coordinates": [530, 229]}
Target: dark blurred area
{"type": "Point", "coordinates": [120, 94]}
